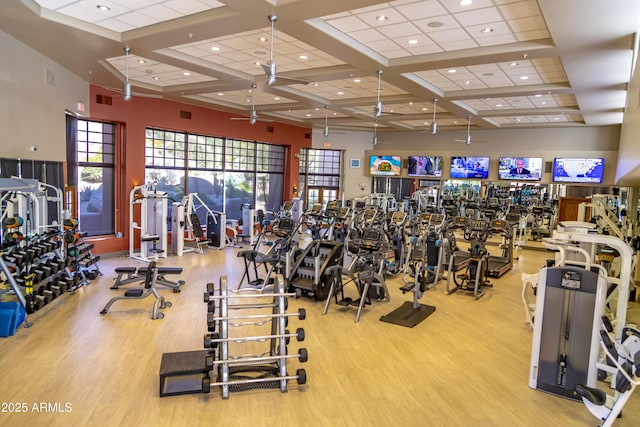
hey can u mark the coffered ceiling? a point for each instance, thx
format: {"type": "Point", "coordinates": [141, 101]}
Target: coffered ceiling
{"type": "Point", "coordinates": [504, 63]}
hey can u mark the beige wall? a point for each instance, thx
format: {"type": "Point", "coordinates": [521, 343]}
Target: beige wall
{"type": "Point", "coordinates": [32, 111]}
{"type": "Point", "coordinates": [545, 143]}
{"type": "Point", "coordinates": [628, 171]}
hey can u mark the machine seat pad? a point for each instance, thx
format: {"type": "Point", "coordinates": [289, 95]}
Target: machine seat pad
{"type": "Point", "coordinates": [162, 270]}
{"type": "Point", "coordinates": [133, 293]}
{"type": "Point", "coordinates": [593, 395]}
{"type": "Point", "coordinates": [125, 270]}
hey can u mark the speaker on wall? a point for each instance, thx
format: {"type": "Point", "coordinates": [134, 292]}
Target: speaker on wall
{"type": "Point", "coordinates": [548, 167]}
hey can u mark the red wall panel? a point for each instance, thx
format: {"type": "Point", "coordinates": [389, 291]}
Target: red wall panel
{"type": "Point", "coordinates": [141, 112]}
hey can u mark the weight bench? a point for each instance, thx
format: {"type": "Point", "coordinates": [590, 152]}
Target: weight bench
{"type": "Point", "coordinates": [126, 275]}
{"type": "Point", "coordinates": [131, 277]}
{"type": "Point", "coordinates": [150, 278]}
{"type": "Point", "coordinates": [162, 280]}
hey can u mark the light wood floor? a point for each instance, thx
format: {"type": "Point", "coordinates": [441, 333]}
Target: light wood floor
{"type": "Point", "coordinates": [466, 365]}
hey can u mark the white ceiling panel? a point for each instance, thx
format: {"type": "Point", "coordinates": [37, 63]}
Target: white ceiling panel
{"type": "Point", "coordinates": [350, 42]}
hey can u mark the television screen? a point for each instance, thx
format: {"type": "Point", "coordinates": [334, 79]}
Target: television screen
{"type": "Point", "coordinates": [425, 166]}
{"type": "Point", "coordinates": [469, 167]}
{"type": "Point", "coordinates": [578, 170]}
{"type": "Point", "coordinates": [520, 168]}
{"type": "Point", "coordinates": [385, 165]}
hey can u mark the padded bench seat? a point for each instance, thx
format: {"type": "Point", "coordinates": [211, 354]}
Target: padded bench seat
{"type": "Point", "coordinates": [130, 270]}
{"type": "Point", "coordinates": [161, 270]}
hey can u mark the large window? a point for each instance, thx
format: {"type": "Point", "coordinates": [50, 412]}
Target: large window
{"type": "Point", "coordinates": [320, 172]}
{"type": "Point", "coordinates": [225, 173]}
{"type": "Point", "coordinates": [95, 162]}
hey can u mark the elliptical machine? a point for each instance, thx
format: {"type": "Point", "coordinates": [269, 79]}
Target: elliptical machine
{"type": "Point", "coordinates": [474, 277]}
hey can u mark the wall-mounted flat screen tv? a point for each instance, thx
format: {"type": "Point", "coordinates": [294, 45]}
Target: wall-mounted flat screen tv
{"type": "Point", "coordinates": [469, 167]}
{"type": "Point", "coordinates": [520, 168]}
{"type": "Point", "coordinates": [578, 169]}
{"type": "Point", "coordinates": [425, 166]}
{"type": "Point", "coordinates": [385, 165]}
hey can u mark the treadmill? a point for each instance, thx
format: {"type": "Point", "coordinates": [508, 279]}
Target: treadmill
{"type": "Point", "coordinates": [499, 265]}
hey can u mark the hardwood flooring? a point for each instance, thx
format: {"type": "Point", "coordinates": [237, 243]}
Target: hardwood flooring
{"type": "Point", "coordinates": [467, 364]}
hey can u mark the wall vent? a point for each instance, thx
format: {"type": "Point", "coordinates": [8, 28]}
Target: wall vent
{"type": "Point", "coordinates": [548, 167]}
{"type": "Point", "coordinates": [307, 136]}
{"type": "Point", "coordinates": [270, 129]}
{"type": "Point", "coordinates": [104, 99]}
{"type": "Point", "coordinates": [185, 114]}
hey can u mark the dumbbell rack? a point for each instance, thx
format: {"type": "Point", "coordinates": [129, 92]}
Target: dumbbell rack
{"type": "Point", "coordinates": [36, 272]}
{"type": "Point", "coordinates": [84, 262]}
{"type": "Point", "coordinates": [232, 373]}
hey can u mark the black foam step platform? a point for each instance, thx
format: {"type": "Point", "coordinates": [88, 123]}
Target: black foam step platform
{"type": "Point", "coordinates": [182, 372]}
{"type": "Point", "coordinates": [406, 315]}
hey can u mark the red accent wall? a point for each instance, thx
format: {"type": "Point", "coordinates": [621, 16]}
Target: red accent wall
{"type": "Point", "coordinates": [140, 112]}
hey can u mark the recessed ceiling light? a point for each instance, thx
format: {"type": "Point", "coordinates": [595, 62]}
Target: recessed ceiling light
{"type": "Point", "coordinates": [156, 78]}
{"type": "Point", "coordinates": [498, 105]}
{"type": "Point", "coordinates": [382, 18]}
{"type": "Point", "coordinates": [340, 93]}
{"type": "Point", "coordinates": [412, 41]}
{"type": "Point", "coordinates": [425, 109]}
{"type": "Point", "coordinates": [410, 102]}
{"type": "Point", "coordinates": [186, 73]}
{"type": "Point", "coordinates": [220, 94]}
{"type": "Point", "coordinates": [215, 48]}
{"type": "Point", "coordinates": [103, 8]}
{"type": "Point", "coordinates": [544, 103]}
{"type": "Point", "coordinates": [258, 63]}
{"type": "Point", "coordinates": [465, 2]}
{"type": "Point", "coordinates": [357, 80]}
{"type": "Point", "coordinates": [308, 115]}
{"type": "Point", "coordinates": [486, 30]}
{"type": "Point", "coordinates": [467, 82]}
{"type": "Point", "coordinates": [263, 39]}
{"type": "Point", "coordinates": [335, 114]}
{"type": "Point", "coordinates": [435, 24]}
{"type": "Point", "coordinates": [141, 61]}
{"type": "Point", "coordinates": [304, 57]}
{"type": "Point", "coordinates": [276, 98]}
{"type": "Point", "coordinates": [524, 77]}
{"type": "Point", "coordinates": [452, 70]}
{"type": "Point", "coordinates": [317, 109]}
{"type": "Point", "coordinates": [537, 95]}
{"type": "Point", "coordinates": [556, 118]}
